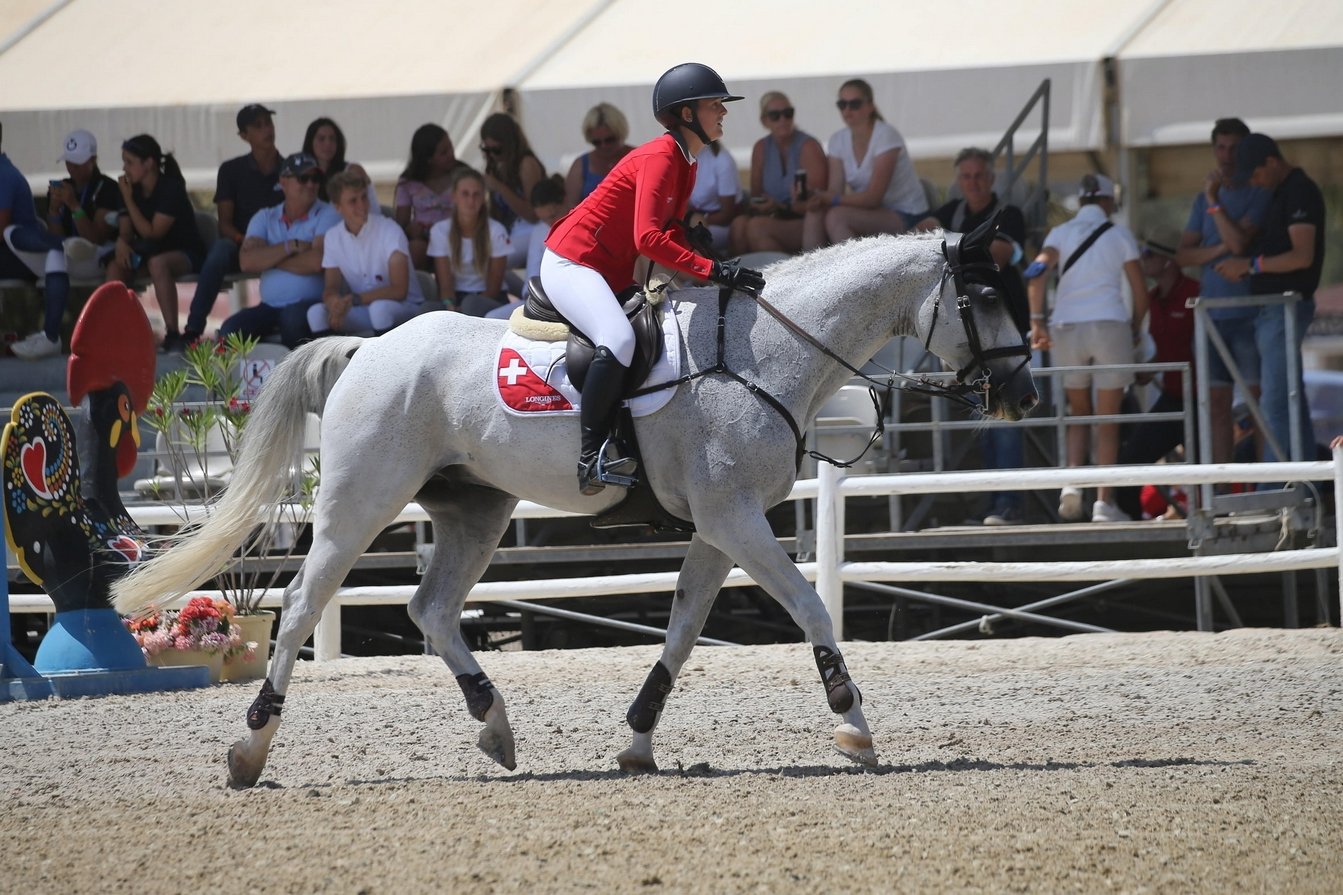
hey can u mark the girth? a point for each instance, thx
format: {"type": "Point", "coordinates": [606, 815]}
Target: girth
{"type": "Point", "coordinates": [644, 316]}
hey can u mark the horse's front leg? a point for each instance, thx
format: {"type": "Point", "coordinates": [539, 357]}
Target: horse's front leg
{"type": "Point", "coordinates": [702, 575]}
{"type": "Point", "coordinates": [746, 535]}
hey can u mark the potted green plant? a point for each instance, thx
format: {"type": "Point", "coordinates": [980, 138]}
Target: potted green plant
{"type": "Point", "coordinates": [199, 413]}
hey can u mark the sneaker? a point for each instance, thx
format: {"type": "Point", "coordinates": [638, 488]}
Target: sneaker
{"type": "Point", "coordinates": [1003, 516]}
{"type": "Point", "coordinates": [1070, 505]}
{"type": "Point", "coordinates": [36, 347]}
{"type": "Point", "coordinates": [1104, 511]}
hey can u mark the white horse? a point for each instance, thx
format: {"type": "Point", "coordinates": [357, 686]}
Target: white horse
{"type": "Point", "coordinates": [412, 415]}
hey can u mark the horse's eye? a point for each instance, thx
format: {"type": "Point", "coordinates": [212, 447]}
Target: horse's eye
{"type": "Point", "coordinates": [989, 294]}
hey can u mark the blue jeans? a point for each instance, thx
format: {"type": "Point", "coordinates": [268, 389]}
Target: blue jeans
{"type": "Point", "coordinates": [56, 287]}
{"type": "Point", "coordinates": [1270, 335]}
{"type": "Point", "coordinates": [221, 261]}
{"type": "Point", "coordinates": [291, 321]}
{"type": "Point", "coordinates": [1003, 448]}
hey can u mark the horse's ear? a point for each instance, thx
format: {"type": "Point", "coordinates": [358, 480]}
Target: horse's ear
{"type": "Point", "coordinates": [982, 236]}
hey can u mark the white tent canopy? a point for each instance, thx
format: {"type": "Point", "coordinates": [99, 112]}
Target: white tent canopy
{"type": "Point", "coordinates": [1278, 66]}
{"type": "Point", "coordinates": [947, 74]}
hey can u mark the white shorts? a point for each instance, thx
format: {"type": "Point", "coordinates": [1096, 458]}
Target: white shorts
{"type": "Point", "coordinates": [1093, 343]}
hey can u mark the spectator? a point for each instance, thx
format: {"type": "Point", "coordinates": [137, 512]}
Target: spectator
{"type": "Point", "coordinates": [511, 170]}
{"type": "Point", "coordinates": [548, 200]}
{"type": "Point", "coordinates": [244, 186]}
{"type": "Point", "coordinates": [424, 192]}
{"type": "Point", "coordinates": [713, 201]}
{"type": "Point", "coordinates": [1172, 329]}
{"type": "Point", "coordinates": [1003, 445]}
{"type": "Point", "coordinates": [28, 252]}
{"type": "Point", "coordinates": [1224, 220]}
{"type": "Point", "coordinates": [607, 130]}
{"type": "Point", "coordinates": [368, 281]}
{"type": "Point", "coordinates": [82, 209]}
{"type": "Point", "coordinates": [872, 184]}
{"type": "Point", "coordinates": [771, 222]}
{"type": "Point", "coordinates": [1287, 255]}
{"type": "Point", "coordinates": [158, 231]}
{"type": "Point", "coordinates": [469, 249]}
{"type": "Point", "coordinates": [1090, 326]}
{"type": "Point", "coordinates": [284, 245]}
{"type": "Point", "coordinates": [325, 141]}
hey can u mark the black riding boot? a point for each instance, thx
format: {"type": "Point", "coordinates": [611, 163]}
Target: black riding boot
{"type": "Point", "coordinates": [601, 398]}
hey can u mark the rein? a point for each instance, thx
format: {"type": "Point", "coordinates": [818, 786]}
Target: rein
{"type": "Point", "coordinates": [953, 269]}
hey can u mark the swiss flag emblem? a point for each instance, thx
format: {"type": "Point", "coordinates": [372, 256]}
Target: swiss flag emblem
{"type": "Point", "coordinates": [524, 391]}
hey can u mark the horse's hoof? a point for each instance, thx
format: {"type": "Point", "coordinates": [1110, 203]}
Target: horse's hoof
{"type": "Point", "coordinates": [242, 774]}
{"type": "Point", "coordinates": [497, 747]}
{"type": "Point", "coordinates": [855, 745]}
{"type": "Point", "coordinates": [632, 761]}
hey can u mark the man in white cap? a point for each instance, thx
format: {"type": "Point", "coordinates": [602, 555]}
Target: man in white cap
{"type": "Point", "coordinates": [1091, 325]}
{"type": "Point", "coordinates": [78, 207]}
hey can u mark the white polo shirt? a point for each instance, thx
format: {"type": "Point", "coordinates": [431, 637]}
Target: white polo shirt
{"type": "Point", "coordinates": [364, 259]}
{"type": "Point", "coordinates": [1093, 288]}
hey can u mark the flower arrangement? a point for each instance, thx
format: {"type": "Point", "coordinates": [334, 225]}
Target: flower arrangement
{"type": "Point", "coordinates": [202, 624]}
{"type": "Point", "coordinates": [204, 433]}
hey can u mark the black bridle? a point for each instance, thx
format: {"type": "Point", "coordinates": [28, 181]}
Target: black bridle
{"type": "Point", "coordinates": [974, 278]}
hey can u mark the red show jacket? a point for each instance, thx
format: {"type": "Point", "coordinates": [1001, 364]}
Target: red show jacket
{"type": "Point", "coordinates": [634, 211]}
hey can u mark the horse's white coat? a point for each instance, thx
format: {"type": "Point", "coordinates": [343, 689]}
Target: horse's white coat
{"type": "Point", "coordinates": [414, 414]}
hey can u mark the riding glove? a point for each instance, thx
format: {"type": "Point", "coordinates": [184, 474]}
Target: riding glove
{"type": "Point", "coordinates": [730, 273]}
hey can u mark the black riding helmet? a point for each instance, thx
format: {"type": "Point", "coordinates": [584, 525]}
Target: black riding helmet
{"type": "Point", "coordinates": [682, 85]}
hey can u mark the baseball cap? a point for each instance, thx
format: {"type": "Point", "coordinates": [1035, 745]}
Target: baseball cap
{"type": "Point", "coordinates": [1096, 186]}
{"type": "Point", "coordinates": [1252, 152]}
{"type": "Point", "coordinates": [296, 164]}
{"type": "Point", "coordinates": [250, 113]}
{"type": "Point", "coordinates": [79, 147]}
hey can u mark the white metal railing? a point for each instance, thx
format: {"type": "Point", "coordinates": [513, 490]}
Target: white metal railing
{"type": "Point", "coordinates": [830, 570]}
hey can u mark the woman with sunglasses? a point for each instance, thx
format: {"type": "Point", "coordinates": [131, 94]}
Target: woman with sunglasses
{"type": "Point", "coordinates": [874, 188]}
{"type": "Point", "coordinates": [511, 170]}
{"type": "Point", "coordinates": [607, 130]}
{"type": "Point", "coordinates": [773, 221]}
{"type": "Point", "coordinates": [639, 209]}
{"type": "Point", "coordinates": [424, 192]}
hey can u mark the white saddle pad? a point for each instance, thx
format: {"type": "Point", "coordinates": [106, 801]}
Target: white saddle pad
{"type": "Point", "coordinates": [530, 376]}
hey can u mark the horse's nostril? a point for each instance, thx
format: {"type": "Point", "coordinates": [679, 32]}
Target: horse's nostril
{"type": "Point", "coordinates": [1028, 402]}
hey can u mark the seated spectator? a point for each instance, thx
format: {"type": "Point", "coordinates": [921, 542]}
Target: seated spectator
{"type": "Point", "coordinates": [28, 252]}
{"type": "Point", "coordinates": [244, 186]}
{"type": "Point", "coordinates": [424, 192]}
{"type": "Point", "coordinates": [548, 200]}
{"type": "Point", "coordinates": [469, 250]}
{"type": "Point", "coordinates": [713, 201]}
{"type": "Point", "coordinates": [872, 184]}
{"type": "Point", "coordinates": [325, 141]}
{"type": "Point", "coordinates": [158, 233]}
{"type": "Point", "coordinates": [511, 170]}
{"type": "Point", "coordinates": [1091, 326]}
{"type": "Point", "coordinates": [1172, 329]}
{"type": "Point", "coordinates": [607, 130]}
{"type": "Point", "coordinates": [284, 245]}
{"type": "Point", "coordinates": [772, 223]}
{"type": "Point", "coordinates": [83, 208]}
{"type": "Point", "coordinates": [1002, 445]}
{"type": "Point", "coordinates": [368, 281]}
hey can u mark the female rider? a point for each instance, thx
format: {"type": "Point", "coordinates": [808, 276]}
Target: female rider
{"type": "Point", "coordinates": [638, 209]}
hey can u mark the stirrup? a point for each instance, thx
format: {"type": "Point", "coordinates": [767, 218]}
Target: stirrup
{"type": "Point", "coordinates": [603, 469]}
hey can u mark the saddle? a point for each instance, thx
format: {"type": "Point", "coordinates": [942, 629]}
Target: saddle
{"type": "Point", "coordinates": [642, 309]}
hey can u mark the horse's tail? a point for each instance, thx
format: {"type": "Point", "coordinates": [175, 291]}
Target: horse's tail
{"type": "Point", "coordinates": [270, 451]}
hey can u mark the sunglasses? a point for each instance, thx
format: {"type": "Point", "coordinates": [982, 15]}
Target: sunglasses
{"type": "Point", "coordinates": [309, 178]}
{"type": "Point", "coordinates": [853, 104]}
{"type": "Point", "coordinates": [491, 150]}
{"type": "Point", "coordinates": [605, 141]}
{"type": "Point", "coordinates": [776, 114]}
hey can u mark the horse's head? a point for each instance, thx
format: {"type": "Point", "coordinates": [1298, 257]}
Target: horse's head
{"type": "Point", "coordinates": [966, 322]}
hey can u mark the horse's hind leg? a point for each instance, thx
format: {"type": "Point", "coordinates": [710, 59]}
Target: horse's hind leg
{"type": "Point", "coordinates": [702, 575]}
{"type": "Point", "coordinates": [342, 529]}
{"type": "Point", "coordinates": [468, 522]}
{"type": "Point", "coordinates": [747, 536]}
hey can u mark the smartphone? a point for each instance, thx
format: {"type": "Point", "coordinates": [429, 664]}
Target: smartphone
{"type": "Point", "coordinates": [800, 179]}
